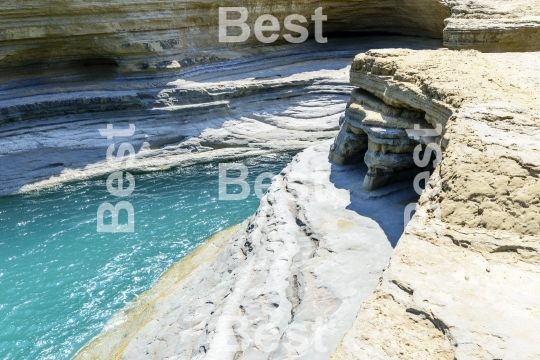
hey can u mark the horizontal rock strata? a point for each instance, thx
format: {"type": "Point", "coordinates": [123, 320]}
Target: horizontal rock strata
{"type": "Point", "coordinates": [293, 275]}
{"type": "Point", "coordinates": [50, 124]}
{"type": "Point", "coordinates": [493, 25]}
{"type": "Point", "coordinates": [463, 282]}
{"type": "Point", "coordinates": [382, 136]}
{"type": "Point", "coordinates": [153, 35]}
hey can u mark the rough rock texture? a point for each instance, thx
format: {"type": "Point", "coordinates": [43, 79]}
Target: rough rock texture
{"type": "Point", "coordinates": [300, 267]}
{"type": "Point", "coordinates": [155, 34]}
{"type": "Point", "coordinates": [493, 25]}
{"type": "Point", "coordinates": [214, 112]}
{"type": "Point", "coordinates": [463, 282]}
{"type": "Point", "coordinates": [382, 136]}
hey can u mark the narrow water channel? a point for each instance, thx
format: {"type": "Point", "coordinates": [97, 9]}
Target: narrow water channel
{"type": "Point", "coordinates": [61, 280]}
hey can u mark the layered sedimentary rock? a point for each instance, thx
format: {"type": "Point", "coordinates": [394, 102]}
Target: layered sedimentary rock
{"type": "Point", "coordinates": [463, 281]}
{"type": "Point", "coordinates": [141, 35]}
{"type": "Point", "coordinates": [470, 251]}
{"type": "Point", "coordinates": [154, 34]}
{"type": "Point", "coordinates": [493, 25]}
{"type": "Point", "coordinates": [286, 285]}
{"type": "Point", "coordinates": [384, 137]}
{"type": "Point", "coordinates": [50, 129]}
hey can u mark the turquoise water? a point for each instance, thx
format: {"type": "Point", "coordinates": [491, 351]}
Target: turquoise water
{"type": "Point", "coordinates": [60, 280]}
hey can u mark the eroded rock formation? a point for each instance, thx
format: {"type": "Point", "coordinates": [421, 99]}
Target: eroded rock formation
{"type": "Point", "coordinates": [146, 35]}
{"type": "Point", "coordinates": [470, 251]}
{"type": "Point", "coordinates": [143, 35]}
{"type": "Point", "coordinates": [383, 137]}
{"type": "Point", "coordinates": [212, 112]}
{"type": "Point", "coordinates": [463, 281]}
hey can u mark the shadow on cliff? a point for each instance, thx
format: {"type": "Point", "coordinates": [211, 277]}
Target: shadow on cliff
{"type": "Point", "coordinates": [386, 206]}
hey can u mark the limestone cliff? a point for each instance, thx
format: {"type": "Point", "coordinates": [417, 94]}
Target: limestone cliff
{"type": "Point", "coordinates": [463, 281]}
{"type": "Point", "coordinates": [154, 34]}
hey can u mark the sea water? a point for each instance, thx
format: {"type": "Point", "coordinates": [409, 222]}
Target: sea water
{"type": "Point", "coordinates": [61, 280]}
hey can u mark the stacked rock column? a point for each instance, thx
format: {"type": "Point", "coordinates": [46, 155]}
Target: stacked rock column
{"type": "Point", "coordinates": [377, 133]}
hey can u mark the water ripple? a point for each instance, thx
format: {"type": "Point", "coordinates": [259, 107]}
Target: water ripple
{"type": "Point", "coordinates": [61, 280]}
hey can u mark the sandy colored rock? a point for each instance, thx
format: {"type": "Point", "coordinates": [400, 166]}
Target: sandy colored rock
{"type": "Point", "coordinates": [149, 35]}
{"type": "Point", "coordinates": [212, 112]}
{"type": "Point", "coordinates": [378, 134]}
{"type": "Point", "coordinates": [463, 281]}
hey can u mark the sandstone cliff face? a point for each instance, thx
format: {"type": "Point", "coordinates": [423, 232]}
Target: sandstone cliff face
{"type": "Point", "coordinates": [493, 25]}
{"type": "Point", "coordinates": [153, 34]}
{"type": "Point", "coordinates": [378, 135]}
{"type": "Point", "coordinates": [463, 281]}
{"type": "Point", "coordinates": [461, 284]}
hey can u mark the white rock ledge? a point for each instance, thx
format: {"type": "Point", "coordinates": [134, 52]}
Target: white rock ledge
{"type": "Point", "coordinates": [300, 267]}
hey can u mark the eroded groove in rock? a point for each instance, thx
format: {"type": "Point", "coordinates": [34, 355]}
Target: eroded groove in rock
{"type": "Point", "coordinates": [381, 135]}
{"type": "Point", "coordinates": [211, 112]}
